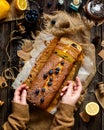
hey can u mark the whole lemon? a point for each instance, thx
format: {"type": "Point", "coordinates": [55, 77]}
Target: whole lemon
{"type": "Point", "coordinates": [4, 9]}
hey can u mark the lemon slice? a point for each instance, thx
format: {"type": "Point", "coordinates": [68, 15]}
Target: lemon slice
{"type": "Point", "coordinates": [92, 108]}
{"type": "Point", "coordinates": [21, 4]}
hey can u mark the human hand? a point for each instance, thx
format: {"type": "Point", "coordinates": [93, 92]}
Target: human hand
{"type": "Point", "coordinates": [71, 93]}
{"type": "Point", "coordinates": [20, 94]}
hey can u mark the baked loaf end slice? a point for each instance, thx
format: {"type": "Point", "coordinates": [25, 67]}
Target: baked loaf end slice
{"type": "Point", "coordinates": [50, 78]}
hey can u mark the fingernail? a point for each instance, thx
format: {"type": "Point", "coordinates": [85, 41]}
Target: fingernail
{"type": "Point", "coordinates": [24, 90]}
{"type": "Point", "coordinates": [61, 94]}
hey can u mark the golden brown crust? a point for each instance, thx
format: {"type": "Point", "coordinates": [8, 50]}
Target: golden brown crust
{"type": "Point", "coordinates": [51, 83]}
{"type": "Point", "coordinates": [50, 72]}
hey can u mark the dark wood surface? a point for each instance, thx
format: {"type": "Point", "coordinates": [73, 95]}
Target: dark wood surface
{"type": "Point", "coordinates": [6, 94]}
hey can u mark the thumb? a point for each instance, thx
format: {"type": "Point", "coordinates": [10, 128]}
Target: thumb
{"type": "Point", "coordinates": [23, 97]}
{"type": "Point", "coordinates": [70, 89]}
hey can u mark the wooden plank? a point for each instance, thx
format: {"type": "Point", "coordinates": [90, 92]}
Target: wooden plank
{"type": "Point", "coordinates": [102, 120]}
{"type": "Point", "coordinates": [102, 77]}
{"type": "Point", "coordinates": [92, 125]}
{"type": "Point", "coordinates": [102, 39]}
{"type": "Point", "coordinates": [95, 123]}
{"type": "Point", "coordinates": [5, 30]}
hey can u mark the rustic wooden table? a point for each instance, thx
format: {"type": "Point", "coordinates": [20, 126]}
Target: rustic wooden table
{"type": "Point", "coordinates": [6, 94]}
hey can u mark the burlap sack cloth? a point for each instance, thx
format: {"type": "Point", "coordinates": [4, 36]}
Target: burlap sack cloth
{"type": "Point", "coordinates": [76, 28]}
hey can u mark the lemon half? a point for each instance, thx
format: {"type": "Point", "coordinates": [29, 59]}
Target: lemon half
{"type": "Point", "coordinates": [21, 4]}
{"type": "Point", "coordinates": [4, 9]}
{"type": "Point", "coordinates": [92, 108]}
